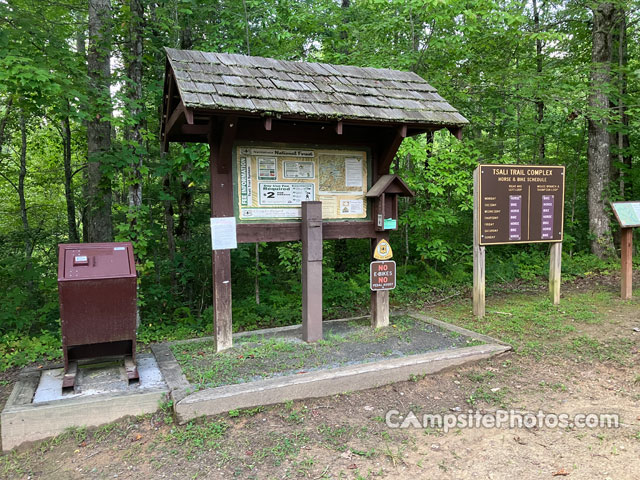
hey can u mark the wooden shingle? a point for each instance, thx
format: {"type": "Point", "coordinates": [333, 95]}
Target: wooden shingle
{"type": "Point", "coordinates": [220, 81]}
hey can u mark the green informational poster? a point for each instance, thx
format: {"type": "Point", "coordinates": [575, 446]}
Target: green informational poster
{"type": "Point", "coordinates": [627, 213]}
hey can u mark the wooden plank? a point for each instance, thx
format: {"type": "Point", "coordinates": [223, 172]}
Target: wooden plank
{"type": "Point", "coordinates": [290, 232]}
{"type": "Point", "coordinates": [478, 256]}
{"type": "Point", "coordinates": [555, 269]}
{"type": "Point", "coordinates": [390, 150]}
{"type": "Point", "coordinates": [626, 261]}
{"type": "Point", "coordinates": [311, 227]}
{"type": "Point", "coordinates": [379, 298]}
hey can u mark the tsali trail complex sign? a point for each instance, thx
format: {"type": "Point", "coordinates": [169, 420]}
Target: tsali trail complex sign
{"type": "Point", "coordinates": [517, 204]}
{"type": "Point", "coordinates": [520, 204]}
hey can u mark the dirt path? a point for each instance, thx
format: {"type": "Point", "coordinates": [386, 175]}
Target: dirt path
{"type": "Point", "coordinates": [590, 365]}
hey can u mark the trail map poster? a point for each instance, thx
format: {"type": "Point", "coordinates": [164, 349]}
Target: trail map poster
{"type": "Point", "coordinates": [271, 183]}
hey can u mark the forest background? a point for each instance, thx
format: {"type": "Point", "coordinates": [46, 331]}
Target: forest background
{"type": "Point", "coordinates": [541, 82]}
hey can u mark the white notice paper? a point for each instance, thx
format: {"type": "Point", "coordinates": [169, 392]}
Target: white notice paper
{"type": "Point", "coordinates": [351, 207]}
{"type": "Point", "coordinates": [223, 233]}
{"type": "Point", "coordinates": [353, 172]}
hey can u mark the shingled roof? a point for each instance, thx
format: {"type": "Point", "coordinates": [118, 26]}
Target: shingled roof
{"type": "Point", "coordinates": [229, 82]}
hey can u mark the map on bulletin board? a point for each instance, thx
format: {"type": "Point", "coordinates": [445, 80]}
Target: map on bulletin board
{"type": "Point", "coordinates": [627, 213]}
{"type": "Point", "coordinates": [271, 183]}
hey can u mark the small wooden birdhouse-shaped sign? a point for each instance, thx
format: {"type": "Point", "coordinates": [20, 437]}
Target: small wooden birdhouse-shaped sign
{"type": "Point", "coordinates": [385, 193]}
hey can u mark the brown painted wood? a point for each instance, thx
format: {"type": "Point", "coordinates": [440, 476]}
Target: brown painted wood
{"type": "Point", "coordinates": [220, 144]}
{"type": "Point", "coordinates": [626, 262]}
{"type": "Point", "coordinates": [390, 150]}
{"type": "Point", "coordinates": [291, 232]}
{"type": "Point", "coordinates": [311, 229]}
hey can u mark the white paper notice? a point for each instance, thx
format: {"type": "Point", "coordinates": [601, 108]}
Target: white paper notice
{"type": "Point", "coordinates": [353, 172]}
{"type": "Point", "coordinates": [351, 207]}
{"type": "Point", "coordinates": [223, 233]}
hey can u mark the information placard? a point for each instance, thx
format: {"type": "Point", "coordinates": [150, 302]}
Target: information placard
{"type": "Point", "coordinates": [272, 182]}
{"type": "Point", "coordinates": [223, 233]}
{"type": "Point", "coordinates": [383, 275]}
{"type": "Point", "coordinates": [520, 204]}
{"type": "Point", "coordinates": [627, 213]}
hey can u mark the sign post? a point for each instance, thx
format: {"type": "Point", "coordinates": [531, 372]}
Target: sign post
{"type": "Point", "coordinates": [380, 297]}
{"type": "Point", "coordinates": [311, 271]}
{"type": "Point", "coordinates": [517, 204]}
{"type": "Point", "coordinates": [628, 216]}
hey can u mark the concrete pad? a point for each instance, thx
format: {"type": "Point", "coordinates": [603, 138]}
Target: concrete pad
{"type": "Point", "coordinates": [327, 382]}
{"type": "Point", "coordinates": [37, 408]}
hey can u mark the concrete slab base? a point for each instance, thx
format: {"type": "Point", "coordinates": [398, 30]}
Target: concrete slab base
{"type": "Point", "coordinates": [212, 401]}
{"type": "Point", "coordinates": [37, 408]}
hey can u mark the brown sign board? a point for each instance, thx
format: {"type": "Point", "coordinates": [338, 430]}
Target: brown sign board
{"type": "Point", "coordinates": [383, 275]}
{"type": "Point", "coordinates": [520, 204]}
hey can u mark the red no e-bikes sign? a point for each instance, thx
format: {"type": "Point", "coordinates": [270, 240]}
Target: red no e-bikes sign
{"type": "Point", "coordinates": [383, 275]}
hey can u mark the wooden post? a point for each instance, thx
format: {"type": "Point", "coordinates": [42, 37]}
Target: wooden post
{"type": "Point", "coordinates": [626, 254]}
{"type": "Point", "coordinates": [555, 269]}
{"type": "Point", "coordinates": [220, 153]}
{"type": "Point", "coordinates": [380, 298]}
{"type": "Point", "coordinates": [478, 255]}
{"type": "Point", "coordinates": [311, 271]}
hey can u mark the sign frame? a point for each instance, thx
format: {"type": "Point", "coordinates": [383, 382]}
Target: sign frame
{"type": "Point", "coordinates": [620, 222]}
{"type": "Point", "coordinates": [478, 204]}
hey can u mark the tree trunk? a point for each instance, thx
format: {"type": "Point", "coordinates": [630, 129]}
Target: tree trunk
{"type": "Point", "coordinates": [28, 245]}
{"type": "Point", "coordinates": [624, 156]}
{"type": "Point", "coordinates": [99, 127]}
{"type": "Point", "coordinates": [134, 134]}
{"type": "Point", "coordinates": [540, 139]}
{"type": "Point", "coordinates": [599, 147]}
{"type": "Point", "coordinates": [5, 119]}
{"type": "Point", "coordinates": [68, 178]}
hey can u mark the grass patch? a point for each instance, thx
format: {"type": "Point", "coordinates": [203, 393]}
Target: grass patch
{"type": "Point", "coordinates": [345, 343]}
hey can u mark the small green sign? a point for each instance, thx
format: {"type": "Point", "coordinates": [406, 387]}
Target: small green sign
{"type": "Point", "coordinates": [627, 213]}
{"type": "Point", "coordinates": [390, 223]}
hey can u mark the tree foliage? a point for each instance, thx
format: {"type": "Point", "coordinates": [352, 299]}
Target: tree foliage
{"type": "Point", "coordinates": [520, 70]}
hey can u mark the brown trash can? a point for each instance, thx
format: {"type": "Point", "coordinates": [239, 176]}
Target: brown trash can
{"type": "Point", "coordinates": [97, 289]}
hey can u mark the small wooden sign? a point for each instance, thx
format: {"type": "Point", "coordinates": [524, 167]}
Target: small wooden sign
{"type": "Point", "coordinates": [383, 250]}
{"type": "Point", "coordinates": [520, 204]}
{"type": "Point", "coordinates": [383, 275]}
{"type": "Point", "coordinates": [627, 213]}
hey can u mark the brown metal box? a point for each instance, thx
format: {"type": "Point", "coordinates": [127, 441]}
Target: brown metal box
{"type": "Point", "coordinates": [97, 288]}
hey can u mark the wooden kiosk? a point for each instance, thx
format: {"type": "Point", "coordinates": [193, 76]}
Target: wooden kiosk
{"type": "Point", "coordinates": [295, 150]}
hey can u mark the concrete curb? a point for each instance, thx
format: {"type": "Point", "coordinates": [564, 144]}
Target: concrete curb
{"type": "Point", "coordinates": [461, 330]}
{"type": "Point", "coordinates": [328, 382]}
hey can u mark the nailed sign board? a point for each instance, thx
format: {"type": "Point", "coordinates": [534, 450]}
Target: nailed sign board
{"type": "Point", "coordinates": [520, 204]}
{"type": "Point", "coordinates": [383, 275]}
{"type": "Point", "coordinates": [627, 213]}
{"type": "Point", "coordinates": [271, 182]}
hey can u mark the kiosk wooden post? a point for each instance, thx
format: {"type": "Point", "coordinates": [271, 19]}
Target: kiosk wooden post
{"type": "Point", "coordinates": [311, 271]}
{"type": "Point", "coordinates": [220, 145]}
{"type": "Point", "coordinates": [626, 262]}
{"type": "Point", "coordinates": [478, 256]}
